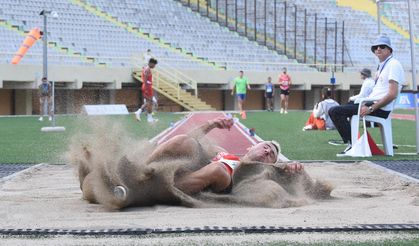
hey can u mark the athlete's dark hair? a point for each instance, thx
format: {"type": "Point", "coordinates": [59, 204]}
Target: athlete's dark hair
{"type": "Point", "coordinates": [326, 92]}
{"type": "Point", "coordinates": [152, 61]}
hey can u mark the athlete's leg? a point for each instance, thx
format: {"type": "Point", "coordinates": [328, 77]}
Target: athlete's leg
{"type": "Point", "coordinates": [240, 104]}
{"type": "Point", "coordinates": [178, 146]}
{"type": "Point", "coordinates": [282, 102]}
{"type": "Point", "coordinates": [149, 105]}
{"type": "Point", "coordinates": [213, 176]}
{"type": "Point", "coordinates": [41, 105]}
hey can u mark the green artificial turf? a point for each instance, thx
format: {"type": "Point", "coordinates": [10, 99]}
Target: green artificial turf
{"type": "Point", "coordinates": [313, 145]}
{"type": "Point", "coordinates": [21, 140]}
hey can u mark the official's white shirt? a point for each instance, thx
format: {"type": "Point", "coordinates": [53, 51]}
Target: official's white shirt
{"type": "Point", "coordinates": [392, 70]}
{"type": "Point", "coordinates": [366, 89]}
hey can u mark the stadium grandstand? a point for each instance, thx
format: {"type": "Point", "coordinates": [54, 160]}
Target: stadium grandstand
{"type": "Point", "coordinates": [95, 49]}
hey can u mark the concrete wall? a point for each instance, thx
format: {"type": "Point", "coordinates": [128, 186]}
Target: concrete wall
{"type": "Point", "coordinates": [76, 86]}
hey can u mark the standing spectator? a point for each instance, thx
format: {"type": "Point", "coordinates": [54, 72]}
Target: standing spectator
{"type": "Point", "coordinates": [241, 84]}
{"type": "Point", "coordinates": [319, 119]}
{"type": "Point", "coordinates": [284, 84]}
{"type": "Point", "coordinates": [45, 93]}
{"type": "Point", "coordinates": [366, 87]}
{"type": "Point", "coordinates": [389, 80]}
{"type": "Point", "coordinates": [269, 92]}
{"type": "Point", "coordinates": [147, 91]}
{"type": "Point", "coordinates": [147, 56]}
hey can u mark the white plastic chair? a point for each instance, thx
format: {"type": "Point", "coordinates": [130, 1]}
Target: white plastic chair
{"type": "Point", "coordinates": [386, 131]}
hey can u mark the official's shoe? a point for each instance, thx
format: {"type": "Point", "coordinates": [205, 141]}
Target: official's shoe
{"type": "Point", "coordinates": [41, 118]}
{"type": "Point", "coordinates": [343, 153]}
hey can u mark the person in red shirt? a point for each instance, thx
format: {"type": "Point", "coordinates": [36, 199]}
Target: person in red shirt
{"type": "Point", "coordinates": [284, 82]}
{"type": "Point", "coordinates": [147, 91]}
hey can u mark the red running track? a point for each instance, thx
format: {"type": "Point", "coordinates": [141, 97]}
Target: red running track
{"type": "Point", "coordinates": [403, 116]}
{"type": "Point", "coordinates": [235, 141]}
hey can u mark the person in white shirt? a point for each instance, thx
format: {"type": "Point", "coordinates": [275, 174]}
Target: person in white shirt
{"type": "Point", "coordinates": [367, 85]}
{"type": "Point", "coordinates": [146, 57]}
{"type": "Point", "coordinates": [319, 119]}
{"type": "Point", "coordinates": [389, 80]}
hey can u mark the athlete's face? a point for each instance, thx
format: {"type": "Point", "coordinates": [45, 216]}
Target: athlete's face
{"type": "Point", "coordinates": [151, 65]}
{"type": "Point", "coordinates": [263, 152]}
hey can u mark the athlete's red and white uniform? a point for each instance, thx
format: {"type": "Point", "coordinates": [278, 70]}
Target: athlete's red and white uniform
{"type": "Point", "coordinates": [147, 87]}
{"type": "Point", "coordinates": [230, 161]}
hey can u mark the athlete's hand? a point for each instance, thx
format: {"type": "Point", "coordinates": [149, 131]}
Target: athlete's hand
{"type": "Point", "coordinates": [294, 167]}
{"type": "Point", "coordinates": [222, 123]}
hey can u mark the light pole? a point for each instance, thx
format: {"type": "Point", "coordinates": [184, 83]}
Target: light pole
{"type": "Point", "coordinates": [413, 61]}
{"type": "Point", "coordinates": [378, 16]}
{"type": "Point", "coordinates": [45, 14]}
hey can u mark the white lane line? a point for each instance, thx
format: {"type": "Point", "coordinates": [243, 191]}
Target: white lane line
{"type": "Point", "coordinates": [164, 134]}
{"type": "Point", "coordinates": [241, 129]}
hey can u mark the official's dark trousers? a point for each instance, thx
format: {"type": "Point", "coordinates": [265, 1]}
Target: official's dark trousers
{"type": "Point", "coordinates": [341, 116]}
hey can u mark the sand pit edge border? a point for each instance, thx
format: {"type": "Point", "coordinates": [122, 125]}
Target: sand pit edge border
{"type": "Point", "coordinates": [21, 172]}
{"type": "Point", "coordinates": [388, 170]}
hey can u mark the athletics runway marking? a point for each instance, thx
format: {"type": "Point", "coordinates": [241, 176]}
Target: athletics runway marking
{"type": "Point", "coordinates": [235, 141]}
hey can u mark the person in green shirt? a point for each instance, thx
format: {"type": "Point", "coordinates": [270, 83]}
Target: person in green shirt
{"type": "Point", "coordinates": [241, 85]}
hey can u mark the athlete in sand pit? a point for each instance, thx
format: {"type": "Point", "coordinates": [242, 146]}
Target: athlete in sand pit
{"type": "Point", "coordinates": [217, 174]}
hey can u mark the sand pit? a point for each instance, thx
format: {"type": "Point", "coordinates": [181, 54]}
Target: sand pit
{"type": "Point", "coordinates": [48, 196]}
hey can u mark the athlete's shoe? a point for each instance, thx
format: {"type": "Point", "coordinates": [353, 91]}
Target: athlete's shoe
{"type": "Point", "coordinates": [282, 111]}
{"type": "Point", "coordinates": [243, 115]}
{"type": "Point", "coordinates": [50, 118]}
{"type": "Point", "coordinates": [120, 192]}
{"type": "Point", "coordinates": [152, 120]}
{"type": "Point", "coordinates": [285, 112]}
{"type": "Point", "coordinates": [137, 115]}
{"type": "Point", "coordinates": [41, 118]}
{"type": "Point", "coordinates": [307, 127]}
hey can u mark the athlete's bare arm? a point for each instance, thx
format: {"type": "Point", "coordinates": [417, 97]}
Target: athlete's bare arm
{"type": "Point", "coordinates": [221, 123]}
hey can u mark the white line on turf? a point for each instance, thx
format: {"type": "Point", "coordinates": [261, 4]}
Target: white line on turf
{"type": "Point", "coordinates": [164, 134]}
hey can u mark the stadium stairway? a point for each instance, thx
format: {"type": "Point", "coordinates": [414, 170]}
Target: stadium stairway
{"type": "Point", "coordinates": [174, 85]}
{"type": "Point", "coordinates": [371, 8]}
{"type": "Point", "coordinates": [138, 32]}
